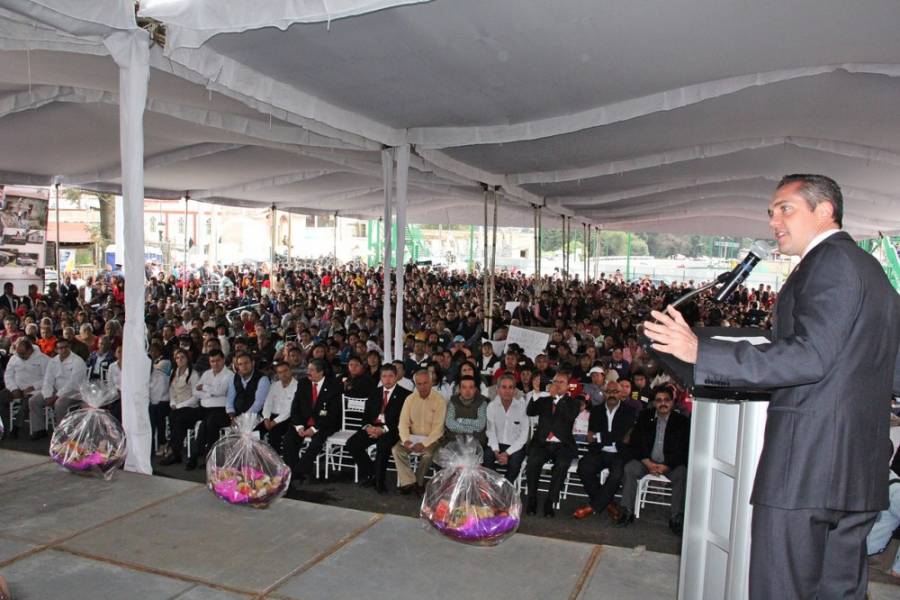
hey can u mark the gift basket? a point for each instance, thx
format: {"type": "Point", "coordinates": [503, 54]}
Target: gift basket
{"type": "Point", "coordinates": [467, 502]}
{"type": "Point", "coordinates": [90, 440]}
{"type": "Point", "coordinates": [242, 469]}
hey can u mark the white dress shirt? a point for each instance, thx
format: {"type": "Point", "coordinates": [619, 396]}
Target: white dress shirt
{"type": "Point", "coordinates": [22, 374]}
{"type": "Point", "coordinates": [215, 388]}
{"type": "Point", "coordinates": [159, 387]}
{"type": "Point", "coordinates": [507, 426]}
{"type": "Point", "coordinates": [818, 240]}
{"type": "Point", "coordinates": [114, 375]}
{"type": "Point", "coordinates": [610, 415]}
{"type": "Point", "coordinates": [64, 378]}
{"type": "Point", "coordinates": [279, 400]}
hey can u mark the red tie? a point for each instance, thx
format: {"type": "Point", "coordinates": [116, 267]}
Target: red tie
{"type": "Point", "coordinates": [384, 403]}
{"type": "Point", "coordinates": [313, 398]}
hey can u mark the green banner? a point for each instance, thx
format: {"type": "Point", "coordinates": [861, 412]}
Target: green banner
{"type": "Point", "coordinates": [891, 262]}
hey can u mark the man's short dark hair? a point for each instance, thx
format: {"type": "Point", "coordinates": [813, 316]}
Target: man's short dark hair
{"type": "Point", "coordinates": [663, 389]}
{"type": "Point", "coordinates": [215, 352]}
{"type": "Point", "coordinates": [389, 368]}
{"type": "Point", "coordinates": [816, 189]}
{"type": "Point", "coordinates": [318, 364]}
{"type": "Point", "coordinates": [468, 378]}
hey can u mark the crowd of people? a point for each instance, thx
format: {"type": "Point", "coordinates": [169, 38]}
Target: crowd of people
{"type": "Point", "coordinates": [292, 344]}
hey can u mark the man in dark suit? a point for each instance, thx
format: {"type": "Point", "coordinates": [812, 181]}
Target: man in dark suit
{"type": "Point", "coordinates": [608, 427]}
{"type": "Point", "coordinates": [831, 366]}
{"type": "Point", "coordinates": [380, 427]}
{"type": "Point", "coordinates": [315, 415]}
{"type": "Point", "coordinates": [553, 440]}
{"type": "Point", "coordinates": [9, 300]}
{"type": "Point", "coordinates": [659, 445]}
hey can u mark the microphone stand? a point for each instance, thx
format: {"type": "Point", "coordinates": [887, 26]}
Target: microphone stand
{"type": "Point", "coordinates": [646, 343]}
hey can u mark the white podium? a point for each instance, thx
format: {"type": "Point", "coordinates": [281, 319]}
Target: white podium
{"type": "Point", "coordinates": [726, 441]}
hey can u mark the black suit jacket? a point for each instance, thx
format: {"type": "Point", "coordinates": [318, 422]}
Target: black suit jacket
{"type": "Point", "coordinates": [676, 442]}
{"type": "Point", "coordinates": [832, 365]}
{"type": "Point", "coordinates": [392, 413]}
{"type": "Point", "coordinates": [5, 303]}
{"type": "Point", "coordinates": [559, 422]}
{"type": "Point", "coordinates": [328, 409]}
{"type": "Point", "coordinates": [623, 421]}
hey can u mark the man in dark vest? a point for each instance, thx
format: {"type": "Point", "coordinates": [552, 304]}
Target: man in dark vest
{"type": "Point", "coordinates": [466, 413]}
{"type": "Point", "coordinates": [248, 389]}
{"type": "Point", "coordinates": [315, 415]}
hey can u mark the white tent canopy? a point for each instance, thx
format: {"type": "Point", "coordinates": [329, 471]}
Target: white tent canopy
{"type": "Point", "coordinates": [675, 116]}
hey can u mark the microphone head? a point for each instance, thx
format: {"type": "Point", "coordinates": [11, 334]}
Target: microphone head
{"type": "Point", "coordinates": [760, 249]}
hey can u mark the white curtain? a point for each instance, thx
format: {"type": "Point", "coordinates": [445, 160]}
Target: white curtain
{"type": "Point", "coordinates": [131, 51]}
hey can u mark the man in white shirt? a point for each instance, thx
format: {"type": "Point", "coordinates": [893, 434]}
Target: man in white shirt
{"type": "Point", "coordinates": [23, 378]}
{"type": "Point", "coordinates": [212, 389]}
{"type": "Point", "coordinates": [609, 425]}
{"type": "Point", "coordinates": [276, 411]}
{"type": "Point", "coordinates": [507, 429]}
{"type": "Point", "coordinates": [62, 385]}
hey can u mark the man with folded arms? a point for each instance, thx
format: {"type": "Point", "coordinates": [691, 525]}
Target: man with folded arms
{"type": "Point", "coordinates": [212, 389]}
{"type": "Point", "coordinates": [421, 428]}
{"type": "Point", "coordinates": [24, 378]}
{"type": "Point", "coordinates": [380, 427]}
{"type": "Point", "coordinates": [276, 411]}
{"type": "Point", "coordinates": [62, 385]}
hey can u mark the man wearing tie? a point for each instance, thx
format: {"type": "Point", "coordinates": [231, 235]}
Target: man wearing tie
{"type": "Point", "coordinates": [380, 427]}
{"type": "Point", "coordinates": [315, 415]}
{"type": "Point", "coordinates": [831, 366]}
{"type": "Point", "coordinates": [552, 441]}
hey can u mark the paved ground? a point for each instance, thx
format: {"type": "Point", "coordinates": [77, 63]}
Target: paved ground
{"type": "Point", "coordinates": [620, 547]}
{"type": "Point", "coordinates": [66, 536]}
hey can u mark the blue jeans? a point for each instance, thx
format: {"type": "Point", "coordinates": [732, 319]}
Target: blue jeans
{"type": "Point", "coordinates": [885, 524]}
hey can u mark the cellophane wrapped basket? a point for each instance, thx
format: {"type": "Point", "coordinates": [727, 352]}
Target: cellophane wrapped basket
{"type": "Point", "coordinates": [467, 502]}
{"type": "Point", "coordinates": [90, 440]}
{"type": "Point", "coordinates": [242, 469]}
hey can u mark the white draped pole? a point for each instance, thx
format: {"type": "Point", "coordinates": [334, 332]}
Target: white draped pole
{"type": "Point", "coordinates": [387, 171]}
{"type": "Point", "coordinates": [131, 51]}
{"type": "Point", "coordinates": [402, 178]}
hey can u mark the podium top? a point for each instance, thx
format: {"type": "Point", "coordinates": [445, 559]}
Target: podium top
{"type": "Point", "coordinates": [684, 372]}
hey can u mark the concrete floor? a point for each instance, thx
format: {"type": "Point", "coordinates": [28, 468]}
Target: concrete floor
{"type": "Point", "coordinates": [65, 536]}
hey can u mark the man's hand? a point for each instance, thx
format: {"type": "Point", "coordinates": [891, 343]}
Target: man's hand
{"type": "Point", "coordinates": [418, 447]}
{"type": "Point", "coordinates": [672, 335]}
{"type": "Point", "coordinates": [502, 458]}
{"type": "Point", "coordinates": [408, 445]}
{"type": "Point", "coordinates": [375, 432]}
{"type": "Point", "coordinates": [308, 432]}
{"type": "Point", "coordinates": [200, 388]}
{"type": "Point", "coordinates": [51, 400]}
{"type": "Point", "coordinates": [231, 418]}
{"type": "Point", "coordinates": [268, 424]}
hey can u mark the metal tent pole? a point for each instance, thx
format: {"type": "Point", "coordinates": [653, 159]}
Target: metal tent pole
{"type": "Point", "coordinates": [387, 168]}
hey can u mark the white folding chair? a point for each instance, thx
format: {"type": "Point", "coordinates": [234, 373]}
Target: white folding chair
{"type": "Point", "coordinates": [351, 422]}
{"type": "Point", "coordinates": [652, 489]}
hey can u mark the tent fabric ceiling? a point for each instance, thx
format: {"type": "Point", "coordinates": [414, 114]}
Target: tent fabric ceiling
{"type": "Point", "coordinates": [673, 117]}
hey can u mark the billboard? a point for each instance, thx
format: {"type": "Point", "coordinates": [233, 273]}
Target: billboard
{"type": "Point", "coordinates": [23, 235]}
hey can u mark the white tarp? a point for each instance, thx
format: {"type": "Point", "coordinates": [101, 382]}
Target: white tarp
{"type": "Point", "coordinates": [623, 115]}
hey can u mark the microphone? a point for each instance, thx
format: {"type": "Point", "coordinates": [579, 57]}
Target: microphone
{"type": "Point", "coordinates": [758, 251]}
